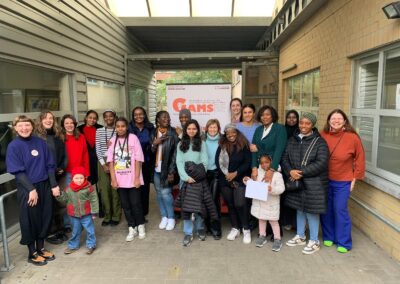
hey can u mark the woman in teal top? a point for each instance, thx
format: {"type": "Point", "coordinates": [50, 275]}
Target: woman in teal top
{"type": "Point", "coordinates": [213, 130]}
{"type": "Point", "coordinates": [191, 149]}
{"type": "Point", "coordinates": [270, 139]}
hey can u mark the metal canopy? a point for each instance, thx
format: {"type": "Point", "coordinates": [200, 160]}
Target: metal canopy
{"type": "Point", "coordinates": [227, 37]}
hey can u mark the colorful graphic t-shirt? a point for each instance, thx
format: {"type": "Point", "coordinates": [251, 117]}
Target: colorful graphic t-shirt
{"type": "Point", "coordinates": [124, 159]}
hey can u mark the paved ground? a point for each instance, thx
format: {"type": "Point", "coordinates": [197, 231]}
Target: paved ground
{"type": "Point", "coordinates": [160, 258]}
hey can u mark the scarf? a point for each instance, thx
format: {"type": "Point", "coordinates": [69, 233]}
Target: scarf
{"type": "Point", "coordinates": [159, 156]}
{"type": "Point", "coordinates": [76, 188]}
{"type": "Point", "coordinates": [224, 161]}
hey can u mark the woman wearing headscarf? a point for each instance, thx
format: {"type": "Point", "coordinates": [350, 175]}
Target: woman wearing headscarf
{"type": "Point", "coordinates": [288, 215]}
{"type": "Point", "coordinates": [184, 116]}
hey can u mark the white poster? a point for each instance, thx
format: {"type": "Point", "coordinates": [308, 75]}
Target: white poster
{"type": "Point", "coordinates": [205, 101]}
{"type": "Point", "coordinates": [398, 96]}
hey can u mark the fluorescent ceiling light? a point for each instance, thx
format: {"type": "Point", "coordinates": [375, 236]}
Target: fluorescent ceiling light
{"type": "Point", "coordinates": [169, 8]}
{"type": "Point", "coordinates": [129, 8]}
{"type": "Point", "coordinates": [211, 8]}
{"type": "Point", "coordinates": [253, 8]}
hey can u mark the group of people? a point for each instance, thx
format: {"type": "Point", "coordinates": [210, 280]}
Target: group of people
{"type": "Point", "coordinates": [95, 171]}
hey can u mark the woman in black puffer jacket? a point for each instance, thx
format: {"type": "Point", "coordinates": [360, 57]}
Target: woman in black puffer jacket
{"type": "Point", "coordinates": [311, 200]}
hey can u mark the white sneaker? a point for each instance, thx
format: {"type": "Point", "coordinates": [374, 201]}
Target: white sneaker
{"type": "Point", "coordinates": [311, 247]}
{"type": "Point", "coordinates": [170, 225]}
{"type": "Point", "coordinates": [131, 234]}
{"type": "Point", "coordinates": [142, 232]}
{"type": "Point", "coordinates": [246, 236]}
{"type": "Point", "coordinates": [163, 223]}
{"type": "Point", "coordinates": [233, 234]}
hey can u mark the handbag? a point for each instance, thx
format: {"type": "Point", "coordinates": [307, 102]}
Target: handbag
{"type": "Point", "coordinates": [298, 184]}
{"type": "Point", "coordinates": [294, 185]}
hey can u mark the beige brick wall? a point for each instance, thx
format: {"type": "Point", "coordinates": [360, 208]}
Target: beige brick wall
{"type": "Point", "coordinates": [339, 30]}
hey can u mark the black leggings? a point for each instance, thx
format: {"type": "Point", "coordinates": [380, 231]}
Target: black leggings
{"type": "Point", "coordinates": [132, 204]}
{"type": "Point", "coordinates": [237, 206]}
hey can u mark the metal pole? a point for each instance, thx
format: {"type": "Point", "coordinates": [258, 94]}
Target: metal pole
{"type": "Point", "coordinates": [8, 266]}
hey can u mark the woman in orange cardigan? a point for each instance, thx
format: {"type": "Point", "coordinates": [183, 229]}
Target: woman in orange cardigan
{"type": "Point", "coordinates": [346, 165]}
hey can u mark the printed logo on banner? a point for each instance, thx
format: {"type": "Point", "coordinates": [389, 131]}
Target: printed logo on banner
{"type": "Point", "coordinates": [205, 101]}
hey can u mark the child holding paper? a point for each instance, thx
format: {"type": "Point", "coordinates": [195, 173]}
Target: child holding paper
{"type": "Point", "coordinates": [268, 210]}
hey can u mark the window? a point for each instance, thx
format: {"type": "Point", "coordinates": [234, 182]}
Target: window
{"type": "Point", "coordinates": [302, 92]}
{"type": "Point", "coordinates": [105, 95]}
{"type": "Point", "coordinates": [26, 89]}
{"type": "Point", "coordinates": [137, 97]}
{"type": "Point", "coordinates": [376, 113]}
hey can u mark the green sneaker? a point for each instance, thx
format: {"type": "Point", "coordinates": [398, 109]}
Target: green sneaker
{"type": "Point", "coordinates": [328, 243]}
{"type": "Point", "coordinates": [342, 249]}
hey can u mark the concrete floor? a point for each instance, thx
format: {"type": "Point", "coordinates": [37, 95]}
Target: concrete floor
{"type": "Point", "coordinates": [161, 258]}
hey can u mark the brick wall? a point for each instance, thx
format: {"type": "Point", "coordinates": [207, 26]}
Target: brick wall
{"type": "Point", "coordinates": [328, 40]}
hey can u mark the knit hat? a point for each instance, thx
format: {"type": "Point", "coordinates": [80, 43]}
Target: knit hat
{"type": "Point", "coordinates": [78, 170]}
{"type": "Point", "coordinates": [186, 112]}
{"type": "Point", "coordinates": [230, 126]}
{"type": "Point", "coordinates": [311, 117]}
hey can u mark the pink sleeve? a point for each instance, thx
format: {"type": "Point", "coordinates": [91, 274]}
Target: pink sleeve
{"type": "Point", "coordinates": [110, 150]}
{"type": "Point", "coordinates": [137, 148]}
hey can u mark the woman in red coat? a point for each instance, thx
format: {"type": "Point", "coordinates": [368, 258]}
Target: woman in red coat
{"type": "Point", "coordinates": [75, 144]}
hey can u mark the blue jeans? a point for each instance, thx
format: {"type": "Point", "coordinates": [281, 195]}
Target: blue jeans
{"type": "Point", "coordinates": [336, 223]}
{"type": "Point", "coordinates": [188, 224]}
{"type": "Point", "coordinates": [313, 224]}
{"type": "Point", "coordinates": [77, 224]}
{"type": "Point", "coordinates": [164, 198]}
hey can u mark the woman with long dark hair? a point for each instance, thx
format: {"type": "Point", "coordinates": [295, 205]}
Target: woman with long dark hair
{"type": "Point", "coordinates": [143, 128]}
{"type": "Point", "coordinates": [88, 130]}
{"type": "Point", "coordinates": [76, 147]}
{"type": "Point", "coordinates": [191, 149]}
{"type": "Point", "coordinates": [233, 160]}
{"type": "Point", "coordinates": [346, 165]}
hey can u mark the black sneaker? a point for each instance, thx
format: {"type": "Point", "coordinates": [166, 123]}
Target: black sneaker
{"type": "Point", "coordinates": [113, 223]}
{"type": "Point", "coordinates": [55, 240]}
{"type": "Point", "coordinates": [217, 235]}
{"type": "Point", "coordinates": [64, 237]}
{"type": "Point", "coordinates": [201, 235]}
{"type": "Point", "coordinates": [105, 223]}
{"type": "Point", "coordinates": [187, 240]}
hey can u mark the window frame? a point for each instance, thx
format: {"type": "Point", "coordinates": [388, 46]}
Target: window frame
{"type": "Point", "coordinates": [378, 177]}
{"type": "Point", "coordinates": [300, 108]}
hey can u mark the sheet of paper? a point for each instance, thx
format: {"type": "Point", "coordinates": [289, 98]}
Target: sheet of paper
{"type": "Point", "coordinates": [257, 190]}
